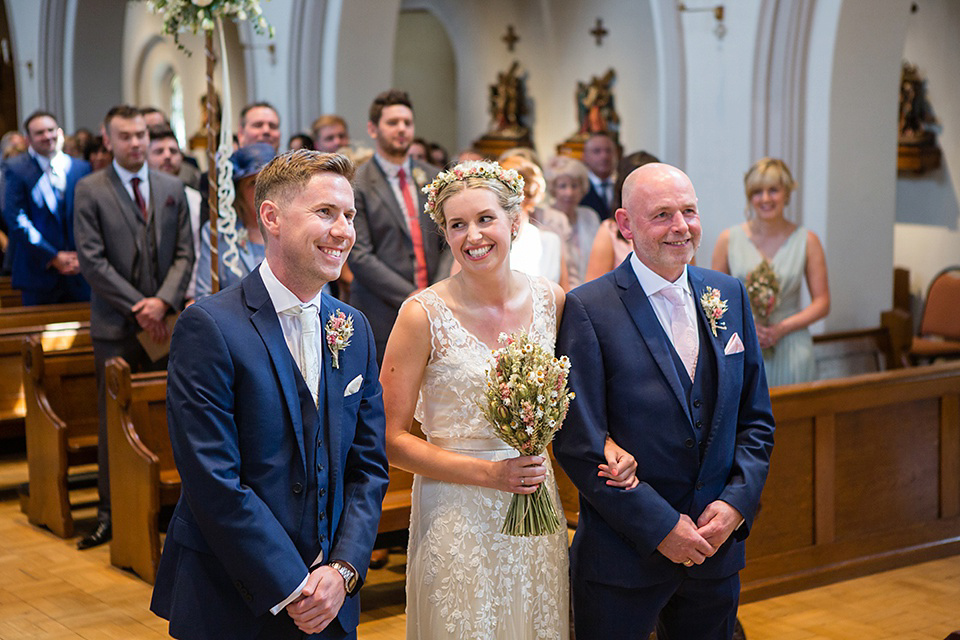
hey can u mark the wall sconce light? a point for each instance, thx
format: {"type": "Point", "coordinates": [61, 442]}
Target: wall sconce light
{"type": "Point", "coordinates": [720, 30]}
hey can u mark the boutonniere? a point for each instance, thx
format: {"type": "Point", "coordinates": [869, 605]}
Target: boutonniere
{"type": "Point", "coordinates": [339, 329]}
{"type": "Point", "coordinates": [170, 202]}
{"type": "Point", "coordinates": [420, 176]}
{"type": "Point", "coordinates": [714, 307]}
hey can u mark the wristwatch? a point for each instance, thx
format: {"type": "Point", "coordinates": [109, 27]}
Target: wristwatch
{"type": "Point", "coordinates": [349, 575]}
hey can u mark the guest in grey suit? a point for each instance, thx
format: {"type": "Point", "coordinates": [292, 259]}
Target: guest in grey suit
{"type": "Point", "coordinates": [134, 242]}
{"type": "Point", "coordinates": [398, 250]}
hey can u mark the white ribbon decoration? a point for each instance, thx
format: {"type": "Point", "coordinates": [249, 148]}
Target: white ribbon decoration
{"type": "Point", "coordinates": [226, 215]}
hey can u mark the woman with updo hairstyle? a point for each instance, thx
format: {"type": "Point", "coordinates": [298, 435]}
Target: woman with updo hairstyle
{"type": "Point", "coordinates": [772, 256]}
{"type": "Point", "coordinates": [465, 579]}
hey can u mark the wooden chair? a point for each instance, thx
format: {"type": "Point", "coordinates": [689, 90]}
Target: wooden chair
{"type": "Point", "coordinates": [9, 297]}
{"type": "Point", "coordinates": [940, 323]}
{"type": "Point", "coordinates": [144, 474]}
{"type": "Point", "coordinates": [60, 389]}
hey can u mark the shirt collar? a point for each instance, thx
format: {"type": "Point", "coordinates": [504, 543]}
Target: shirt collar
{"type": "Point", "coordinates": [282, 298]}
{"type": "Point", "coordinates": [42, 160]}
{"type": "Point", "coordinates": [390, 168]}
{"type": "Point", "coordinates": [652, 282]}
{"type": "Point", "coordinates": [126, 176]}
{"type": "Point", "coordinates": [597, 182]}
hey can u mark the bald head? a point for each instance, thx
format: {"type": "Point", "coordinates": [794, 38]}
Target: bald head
{"type": "Point", "coordinates": [661, 218]}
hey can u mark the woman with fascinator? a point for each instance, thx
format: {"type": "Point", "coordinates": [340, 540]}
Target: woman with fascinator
{"type": "Point", "coordinates": [465, 579]}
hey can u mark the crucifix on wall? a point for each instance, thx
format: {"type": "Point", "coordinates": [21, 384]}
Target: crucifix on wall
{"type": "Point", "coordinates": [599, 31]}
{"type": "Point", "coordinates": [511, 38]}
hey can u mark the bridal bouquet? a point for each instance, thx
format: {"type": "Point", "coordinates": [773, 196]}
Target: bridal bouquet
{"type": "Point", "coordinates": [526, 401]}
{"type": "Point", "coordinates": [763, 288]}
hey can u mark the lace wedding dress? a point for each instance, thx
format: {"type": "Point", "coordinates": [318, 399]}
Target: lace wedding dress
{"type": "Point", "coordinates": [464, 578]}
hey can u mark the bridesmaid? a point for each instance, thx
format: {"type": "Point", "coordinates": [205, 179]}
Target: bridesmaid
{"type": "Point", "coordinates": [794, 253]}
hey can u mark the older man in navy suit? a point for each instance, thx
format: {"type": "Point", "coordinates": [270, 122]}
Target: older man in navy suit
{"type": "Point", "coordinates": [665, 360]}
{"type": "Point", "coordinates": [277, 426]}
{"type": "Point", "coordinates": [38, 210]}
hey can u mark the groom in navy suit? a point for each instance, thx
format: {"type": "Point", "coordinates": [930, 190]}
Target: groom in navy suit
{"type": "Point", "coordinates": [277, 427]}
{"type": "Point", "coordinates": [665, 360]}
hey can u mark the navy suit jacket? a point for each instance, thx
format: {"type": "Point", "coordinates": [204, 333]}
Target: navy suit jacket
{"type": "Point", "coordinates": [627, 385]}
{"type": "Point", "coordinates": [234, 549]}
{"type": "Point", "coordinates": [37, 233]}
{"type": "Point", "coordinates": [595, 201]}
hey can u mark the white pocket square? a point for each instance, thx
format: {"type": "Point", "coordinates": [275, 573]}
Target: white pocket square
{"type": "Point", "coordinates": [734, 345]}
{"type": "Point", "coordinates": [354, 385]}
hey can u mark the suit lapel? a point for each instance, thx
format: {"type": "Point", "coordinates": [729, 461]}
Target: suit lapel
{"type": "Point", "coordinates": [264, 318]}
{"type": "Point", "coordinates": [384, 191]}
{"type": "Point", "coordinates": [635, 300]}
{"type": "Point", "coordinates": [333, 387]}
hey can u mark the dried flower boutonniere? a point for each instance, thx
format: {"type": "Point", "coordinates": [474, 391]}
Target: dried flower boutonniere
{"type": "Point", "coordinates": [714, 307]}
{"type": "Point", "coordinates": [420, 177]}
{"type": "Point", "coordinates": [339, 329]}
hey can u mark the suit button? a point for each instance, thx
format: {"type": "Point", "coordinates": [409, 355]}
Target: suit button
{"type": "Point", "coordinates": [297, 488]}
{"type": "Point", "coordinates": [698, 424]}
{"type": "Point", "coordinates": [322, 492]}
{"type": "Point", "coordinates": [699, 486]}
{"type": "Point", "coordinates": [319, 442]}
{"type": "Point", "coordinates": [319, 467]}
{"type": "Point", "coordinates": [322, 515]}
{"type": "Point", "coordinates": [688, 443]}
{"type": "Point", "coordinates": [697, 403]}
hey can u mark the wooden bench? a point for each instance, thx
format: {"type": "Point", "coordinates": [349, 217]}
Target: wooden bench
{"type": "Point", "coordinates": [865, 476]}
{"type": "Point", "coordinates": [849, 353]}
{"type": "Point", "coordinates": [17, 317]}
{"type": "Point", "coordinates": [53, 337]}
{"type": "Point", "coordinates": [142, 468]}
{"type": "Point", "coordinates": [9, 297]}
{"type": "Point", "coordinates": [60, 389]}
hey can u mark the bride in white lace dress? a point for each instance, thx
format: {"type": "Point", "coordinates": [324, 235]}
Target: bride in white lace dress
{"type": "Point", "coordinates": [464, 578]}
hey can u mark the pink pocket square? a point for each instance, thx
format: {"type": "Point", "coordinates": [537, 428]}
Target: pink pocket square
{"type": "Point", "coordinates": [734, 345]}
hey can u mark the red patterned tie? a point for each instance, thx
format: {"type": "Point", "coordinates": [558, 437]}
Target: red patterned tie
{"type": "Point", "coordinates": [415, 235]}
{"type": "Point", "coordinates": [141, 203]}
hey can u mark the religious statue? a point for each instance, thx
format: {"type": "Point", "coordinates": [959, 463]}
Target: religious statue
{"type": "Point", "coordinates": [917, 131]}
{"type": "Point", "coordinates": [508, 108]}
{"type": "Point", "coordinates": [595, 108]}
{"type": "Point", "coordinates": [508, 103]}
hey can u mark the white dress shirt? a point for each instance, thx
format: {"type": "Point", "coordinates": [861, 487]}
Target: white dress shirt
{"type": "Point", "coordinates": [126, 176]}
{"type": "Point", "coordinates": [652, 283]}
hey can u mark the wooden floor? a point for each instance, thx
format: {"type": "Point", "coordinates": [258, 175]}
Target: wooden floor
{"type": "Point", "coordinates": [48, 589]}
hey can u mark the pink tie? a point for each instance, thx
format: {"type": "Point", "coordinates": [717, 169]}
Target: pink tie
{"type": "Point", "coordinates": [684, 333]}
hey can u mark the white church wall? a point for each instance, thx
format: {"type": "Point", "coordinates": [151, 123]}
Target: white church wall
{"type": "Point", "coordinates": [927, 231]}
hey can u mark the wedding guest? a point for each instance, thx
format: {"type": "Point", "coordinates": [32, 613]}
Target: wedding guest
{"type": "Point", "coordinates": [539, 248]}
{"type": "Point", "coordinates": [38, 211]}
{"type": "Point", "coordinates": [464, 578]}
{"type": "Point", "coordinates": [665, 360]}
{"type": "Point", "coordinates": [437, 155]}
{"type": "Point", "coordinates": [609, 247]}
{"type": "Point", "coordinates": [767, 240]}
{"type": "Point", "coordinates": [600, 156]}
{"type": "Point", "coordinates": [247, 163]}
{"type": "Point", "coordinates": [259, 122]}
{"type": "Point", "coordinates": [567, 182]}
{"type": "Point", "coordinates": [418, 151]}
{"type": "Point", "coordinates": [300, 141]}
{"type": "Point", "coordinates": [97, 154]}
{"type": "Point", "coordinates": [330, 133]}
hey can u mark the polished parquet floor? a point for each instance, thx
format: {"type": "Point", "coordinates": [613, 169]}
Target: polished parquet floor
{"type": "Point", "coordinates": [49, 590]}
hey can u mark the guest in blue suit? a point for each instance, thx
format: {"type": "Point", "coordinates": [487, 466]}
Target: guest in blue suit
{"type": "Point", "coordinates": [278, 436]}
{"type": "Point", "coordinates": [38, 211]}
{"type": "Point", "coordinates": [665, 360]}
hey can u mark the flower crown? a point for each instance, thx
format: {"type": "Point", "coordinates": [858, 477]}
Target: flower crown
{"type": "Point", "coordinates": [471, 169]}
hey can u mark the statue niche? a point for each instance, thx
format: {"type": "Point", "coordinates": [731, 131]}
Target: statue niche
{"type": "Point", "coordinates": [508, 107]}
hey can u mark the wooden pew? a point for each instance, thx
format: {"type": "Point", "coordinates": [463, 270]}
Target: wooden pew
{"type": "Point", "coordinates": [61, 425]}
{"type": "Point", "coordinates": [144, 474]}
{"type": "Point", "coordinates": [17, 317]}
{"type": "Point", "coordinates": [9, 297]}
{"type": "Point", "coordinates": [865, 476]}
{"type": "Point", "coordinates": [53, 337]}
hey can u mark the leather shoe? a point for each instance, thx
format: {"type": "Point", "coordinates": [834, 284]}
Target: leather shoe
{"type": "Point", "coordinates": [100, 535]}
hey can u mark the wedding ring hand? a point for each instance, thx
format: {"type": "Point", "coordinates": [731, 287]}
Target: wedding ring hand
{"type": "Point", "coordinates": [688, 563]}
